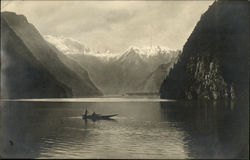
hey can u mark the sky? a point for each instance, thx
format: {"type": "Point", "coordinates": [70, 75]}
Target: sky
{"type": "Point", "coordinates": [114, 25]}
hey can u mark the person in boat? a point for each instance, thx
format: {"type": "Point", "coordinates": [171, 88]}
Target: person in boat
{"type": "Point", "coordinates": [86, 112]}
{"type": "Point", "coordinates": [93, 114]}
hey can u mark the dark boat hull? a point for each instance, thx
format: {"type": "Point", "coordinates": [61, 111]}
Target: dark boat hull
{"type": "Point", "coordinates": [98, 117]}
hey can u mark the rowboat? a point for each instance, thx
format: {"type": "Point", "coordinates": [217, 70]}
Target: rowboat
{"type": "Point", "coordinates": [98, 117]}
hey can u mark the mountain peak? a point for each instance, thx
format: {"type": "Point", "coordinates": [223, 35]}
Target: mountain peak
{"type": "Point", "coordinates": [146, 52]}
{"type": "Point", "coordinates": [132, 50]}
{"type": "Point", "coordinates": [14, 17]}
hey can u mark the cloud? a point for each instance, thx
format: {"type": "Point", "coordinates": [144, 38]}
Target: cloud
{"type": "Point", "coordinates": [115, 25]}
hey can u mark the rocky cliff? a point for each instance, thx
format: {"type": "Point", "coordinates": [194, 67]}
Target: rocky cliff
{"type": "Point", "coordinates": [214, 61]}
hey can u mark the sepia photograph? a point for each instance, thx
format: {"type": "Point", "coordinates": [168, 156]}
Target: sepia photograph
{"type": "Point", "coordinates": [124, 79]}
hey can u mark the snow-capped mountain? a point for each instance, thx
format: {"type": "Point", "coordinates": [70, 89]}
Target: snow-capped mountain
{"type": "Point", "coordinates": [70, 46]}
{"type": "Point", "coordinates": [117, 73]}
{"type": "Point", "coordinates": [67, 45]}
{"type": "Point", "coordinates": [136, 64]}
{"type": "Point", "coordinates": [152, 56]}
{"type": "Point", "coordinates": [148, 52]}
{"type": "Point", "coordinates": [131, 56]}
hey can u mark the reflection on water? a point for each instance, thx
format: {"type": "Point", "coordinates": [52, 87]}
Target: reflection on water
{"type": "Point", "coordinates": [141, 130]}
{"type": "Point", "coordinates": [99, 99]}
{"type": "Point", "coordinates": [215, 129]}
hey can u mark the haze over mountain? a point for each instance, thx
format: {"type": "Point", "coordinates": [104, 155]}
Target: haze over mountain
{"type": "Point", "coordinates": [153, 82]}
{"type": "Point", "coordinates": [34, 68]}
{"type": "Point", "coordinates": [117, 73]}
{"type": "Point", "coordinates": [214, 61]}
{"type": "Point", "coordinates": [72, 46]}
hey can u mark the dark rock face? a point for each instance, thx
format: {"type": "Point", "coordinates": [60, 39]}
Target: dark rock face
{"type": "Point", "coordinates": [32, 68]}
{"type": "Point", "coordinates": [214, 62]}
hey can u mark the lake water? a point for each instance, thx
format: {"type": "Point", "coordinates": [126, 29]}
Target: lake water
{"type": "Point", "coordinates": [145, 128]}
